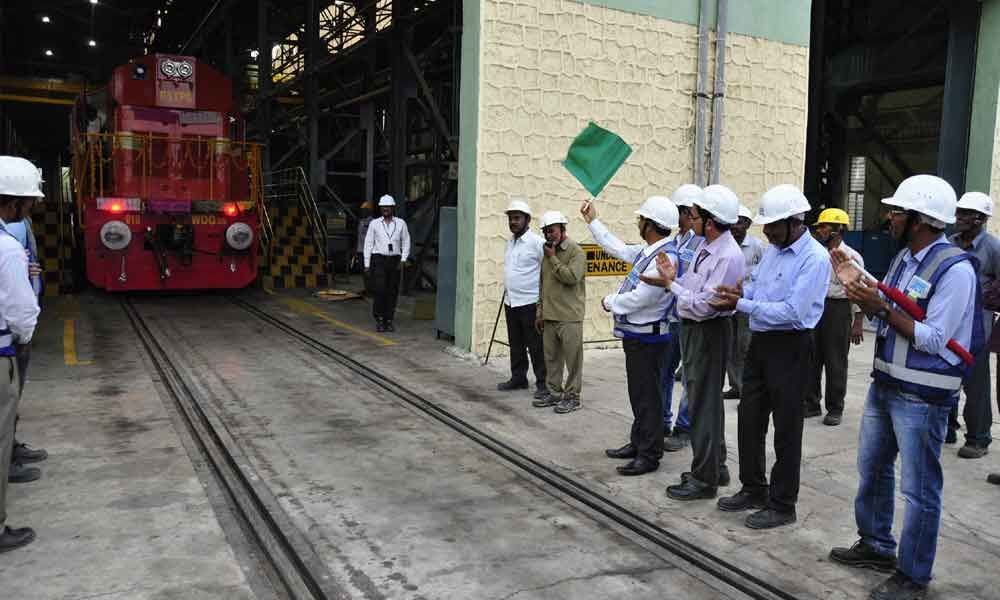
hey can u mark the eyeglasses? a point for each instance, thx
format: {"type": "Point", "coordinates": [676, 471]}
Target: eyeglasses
{"type": "Point", "coordinates": [897, 213]}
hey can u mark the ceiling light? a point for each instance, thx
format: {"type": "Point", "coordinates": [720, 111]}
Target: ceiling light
{"type": "Point", "coordinates": [254, 54]}
{"type": "Point", "coordinates": [48, 53]}
{"type": "Point", "coordinates": [93, 1]}
{"type": "Point", "coordinates": [46, 19]}
{"type": "Point", "coordinates": [92, 43]}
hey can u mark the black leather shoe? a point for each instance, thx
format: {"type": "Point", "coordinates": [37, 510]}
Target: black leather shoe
{"type": "Point", "coordinates": [541, 392]}
{"type": "Point", "coordinates": [899, 587]}
{"type": "Point", "coordinates": [731, 394]}
{"type": "Point", "coordinates": [11, 539]}
{"type": "Point", "coordinates": [743, 500]}
{"type": "Point", "coordinates": [626, 451]}
{"type": "Point", "coordinates": [811, 411]}
{"type": "Point", "coordinates": [21, 474]}
{"type": "Point", "coordinates": [863, 556]}
{"type": "Point", "coordinates": [689, 490]}
{"type": "Point", "coordinates": [993, 478]}
{"type": "Point", "coordinates": [972, 451]}
{"type": "Point", "coordinates": [638, 466]}
{"type": "Point", "coordinates": [677, 442]}
{"type": "Point", "coordinates": [832, 419]}
{"type": "Point", "coordinates": [389, 326]}
{"type": "Point", "coordinates": [510, 384]}
{"type": "Point", "coordinates": [724, 478]}
{"type": "Point", "coordinates": [379, 326]}
{"type": "Point", "coordinates": [769, 518]}
{"type": "Point", "coordinates": [24, 454]}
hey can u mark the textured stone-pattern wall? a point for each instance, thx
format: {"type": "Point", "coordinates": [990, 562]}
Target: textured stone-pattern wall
{"type": "Point", "coordinates": [994, 191]}
{"type": "Point", "coordinates": [550, 66]}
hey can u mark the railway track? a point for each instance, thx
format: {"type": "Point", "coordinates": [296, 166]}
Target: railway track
{"type": "Point", "coordinates": [712, 564]}
{"type": "Point", "coordinates": [294, 568]}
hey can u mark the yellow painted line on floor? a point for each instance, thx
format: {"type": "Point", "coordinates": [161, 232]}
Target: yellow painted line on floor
{"type": "Point", "coordinates": [305, 308]}
{"type": "Point", "coordinates": [69, 345]}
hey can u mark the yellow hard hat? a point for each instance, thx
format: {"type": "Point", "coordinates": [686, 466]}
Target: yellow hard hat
{"type": "Point", "coordinates": [367, 205]}
{"type": "Point", "coordinates": [834, 216]}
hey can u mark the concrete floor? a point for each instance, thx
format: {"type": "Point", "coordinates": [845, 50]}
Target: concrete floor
{"type": "Point", "coordinates": [398, 506]}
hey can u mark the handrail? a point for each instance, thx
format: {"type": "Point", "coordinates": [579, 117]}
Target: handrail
{"type": "Point", "coordinates": [286, 183]}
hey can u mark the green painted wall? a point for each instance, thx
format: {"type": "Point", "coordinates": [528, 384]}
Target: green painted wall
{"type": "Point", "coordinates": [984, 100]}
{"type": "Point", "coordinates": [779, 20]}
{"type": "Point", "coordinates": [467, 167]}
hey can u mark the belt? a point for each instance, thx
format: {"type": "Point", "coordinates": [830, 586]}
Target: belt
{"type": "Point", "coordinates": [687, 322]}
{"type": "Point", "coordinates": [784, 333]}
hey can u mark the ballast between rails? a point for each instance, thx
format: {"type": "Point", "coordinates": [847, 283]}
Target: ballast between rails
{"type": "Point", "coordinates": [289, 555]}
{"type": "Point", "coordinates": [724, 571]}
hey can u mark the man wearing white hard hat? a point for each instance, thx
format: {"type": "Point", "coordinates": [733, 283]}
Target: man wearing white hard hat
{"type": "Point", "coordinates": [753, 250]}
{"type": "Point", "coordinates": [705, 337]}
{"type": "Point", "coordinates": [522, 268]}
{"type": "Point", "coordinates": [641, 320]}
{"type": "Point", "coordinates": [683, 244]}
{"type": "Point", "coordinates": [19, 180]}
{"type": "Point", "coordinates": [973, 210]}
{"type": "Point", "coordinates": [387, 247]}
{"type": "Point", "coordinates": [784, 300]}
{"type": "Point", "coordinates": [561, 308]}
{"type": "Point", "coordinates": [917, 378]}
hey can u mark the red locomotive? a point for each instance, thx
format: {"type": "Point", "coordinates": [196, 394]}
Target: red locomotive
{"type": "Point", "coordinates": [168, 196]}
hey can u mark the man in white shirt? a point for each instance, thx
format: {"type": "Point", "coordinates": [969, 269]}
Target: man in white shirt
{"type": "Point", "coordinates": [18, 317]}
{"type": "Point", "coordinates": [522, 272]}
{"type": "Point", "coordinates": [387, 245]}
{"type": "Point", "coordinates": [840, 325]}
{"type": "Point", "coordinates": [753, 249]}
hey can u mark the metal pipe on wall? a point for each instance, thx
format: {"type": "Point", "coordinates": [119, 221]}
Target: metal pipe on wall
{"type": "Point", "coordinates": [701, 96]}
{"type": "Point", "coordinates": [718, 98]}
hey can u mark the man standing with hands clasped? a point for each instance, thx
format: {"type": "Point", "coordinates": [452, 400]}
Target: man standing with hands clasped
{"type": "Point", "coordinates": [705, 336]}
{"type": "Point", "coordinates": [917, 376]}
{"type": "Point", "coordinates": [641, 314]}
{"type": "Point", "coordinates": [784, 299]}
{"type": "Point", "coordinates": [561, 308]}
{"type": "Point", "coordinates": [387, 246]}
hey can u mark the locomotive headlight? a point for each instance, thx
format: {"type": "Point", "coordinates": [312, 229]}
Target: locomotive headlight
{"type": "Point", "coordinates": [185, 70]}
{"type": "Point", "coordinates": [168, 68]}
{"type": "Point", "coordinates": [115, 235]}
{"type": "Point", "coordinates": [239, 236]}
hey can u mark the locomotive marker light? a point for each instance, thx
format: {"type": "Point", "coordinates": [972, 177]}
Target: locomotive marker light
{"type": "Point", "coordinates": [115, 235]}
{"type": "Point", "coordinates": [239, 236]}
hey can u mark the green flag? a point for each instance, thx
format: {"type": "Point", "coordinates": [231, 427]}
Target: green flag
{"type": "Point", "coordinates": [595, 156]}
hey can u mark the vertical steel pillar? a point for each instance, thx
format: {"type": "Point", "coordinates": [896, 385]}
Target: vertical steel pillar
{"type": "Point", "coordinates": [368, 122]}
{"type": "Point", "coordinates": [317, 166]}
{"type": "Point", "coordinates": [401, 77]}
{"type": "Point", "coordinates": [817, 107]}
{"type": "Point", "coordinates": [264, 86]}
{"type": "Point", "coordinates": [956, 111]}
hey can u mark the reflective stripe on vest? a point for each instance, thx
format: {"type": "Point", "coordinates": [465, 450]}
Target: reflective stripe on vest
{"type": "Point", "coordinates": [7, 343]}
{"type": "Point", "coordinates": [897, 361]}
{"type": "Point", "coordinates": [648, 332]}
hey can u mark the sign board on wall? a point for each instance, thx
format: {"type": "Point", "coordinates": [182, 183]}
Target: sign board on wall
{"type": "Point", "coordinates": [602, 264]}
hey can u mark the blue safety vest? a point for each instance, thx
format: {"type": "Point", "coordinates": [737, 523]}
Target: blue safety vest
{"type": "Point", "coordinates": [898, 363]}
{"type": "Point", "coordinates": [656, 332]}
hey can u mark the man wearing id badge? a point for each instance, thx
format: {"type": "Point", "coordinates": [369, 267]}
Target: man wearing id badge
{"type": "Point", "coordinates": [918, 370]}
{"type": "Point", "coordinates": [641, 321]}
{"type": "Point", "coordinates": [387, 246]}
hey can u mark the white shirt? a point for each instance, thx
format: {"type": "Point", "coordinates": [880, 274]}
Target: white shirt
{"type": "Point", "coordinates": [753, 251]}
{"type": "Point", "coordinates": [18, 304]}
{"type": "Point", "coordinates": [522, 268]}
{"type": "Point", "coordinates": [646, 303]}
{"type": "Point", "coordinates": [836, 289]}
{"type": "Point", "coordinates": [381, 235]}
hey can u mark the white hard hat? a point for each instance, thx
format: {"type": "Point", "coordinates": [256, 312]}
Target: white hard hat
{"type": "Point", "coordinates": [18, 177]}
{"type": "Point", "coordinates": [553, 217]}
{"type": "Point", "coordinates": [746, 212]}
{"type": "Point", "coordinates": [386, 200]}
{"type": "Point", "coordinates": [660, 210]}
{"type": "Point", "coordinates": [685, 195]}
{"type": "Point", "coordinates": [518, 205]}
{"type": "Point", "coordinates": [720, 202]}
{"type": "Point", "coordinates": [976, 201]}
{"type": "Point", "coordinates": [928, 195]}
{"type": "Point", "coordinates": [781, 202]}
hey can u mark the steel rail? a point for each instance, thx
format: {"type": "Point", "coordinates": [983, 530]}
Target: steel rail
{"type": "Point", "coordinates": [723, 570]}
{"type": "Point", "coordinates": [293, 561]}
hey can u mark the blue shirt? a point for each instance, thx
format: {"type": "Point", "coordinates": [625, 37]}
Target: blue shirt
{"type": "Point", "coordinates": [949, 312]}
{"type": "Point", "coordinates": [19, 231]}
{"type": "Point", "coordinates": [787, 290]}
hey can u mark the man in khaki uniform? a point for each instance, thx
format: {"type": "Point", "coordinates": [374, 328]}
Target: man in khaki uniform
{"type": "Point", "coordinates": [561, 306]}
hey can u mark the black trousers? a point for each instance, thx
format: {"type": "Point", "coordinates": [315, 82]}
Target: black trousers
{"type": "Point", "coordinates": [832, 344]}
{"type": "Point", "coordinates": [778, 368]}
{"type": "Point", "coordinates": [643, 369]}
{"type": "Point", "coordinates": [385, 284]}
{"type": "Point", "coordinates": [705, 346]}
{"type": "Point", "coordinates": [524, 339]}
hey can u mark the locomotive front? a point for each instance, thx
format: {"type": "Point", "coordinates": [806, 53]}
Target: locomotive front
{"type": "Point", "coordinates": [169, 197]}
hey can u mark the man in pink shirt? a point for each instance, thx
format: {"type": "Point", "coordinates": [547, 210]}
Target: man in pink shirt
{"type": "Point", "coordinates": [705, 337]}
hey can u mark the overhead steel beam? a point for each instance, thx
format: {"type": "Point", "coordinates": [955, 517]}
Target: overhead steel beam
{"type": "Point", "coordinates": [340, 145]}
{"type": "Point", "coordinates": [431, 102]}
{"type": "Point", "coordinates": [35, 99]}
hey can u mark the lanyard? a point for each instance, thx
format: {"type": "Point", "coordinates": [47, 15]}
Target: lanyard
{"type": "Point", "coordinates": [701, 257]}
{"type": "Point", "coordinates": [388, 235]}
